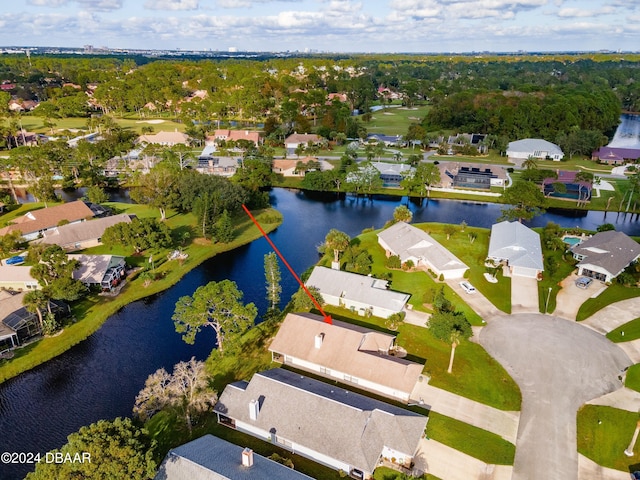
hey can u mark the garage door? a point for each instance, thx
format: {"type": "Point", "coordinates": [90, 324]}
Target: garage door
{"type": "Point", "coordinates": [525, 272]}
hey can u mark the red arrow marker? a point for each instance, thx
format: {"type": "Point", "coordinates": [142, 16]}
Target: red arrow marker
{"type": "Point", "coordinates": [327, 318]}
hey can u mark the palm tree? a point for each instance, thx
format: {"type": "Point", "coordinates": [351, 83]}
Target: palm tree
{"type": "Point", "coordinates": [530, 163]}
{"type": "Point", "coordinates": [34, 302]}
{"type": "Point", "coordinates": [337, 241]}
{"type": "Point", "coordinates": [455, 338]}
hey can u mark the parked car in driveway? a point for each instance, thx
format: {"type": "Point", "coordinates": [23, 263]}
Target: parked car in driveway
{"type": "Point", "coordinates": [467, 287]}
{"type": "Point", "coordinates": [584, 282]}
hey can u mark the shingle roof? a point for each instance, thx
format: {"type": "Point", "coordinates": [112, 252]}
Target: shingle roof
{"type": "Point", "coordinates": [81, 232]}
{"type": "Point", "coordinates": [610, 250]}
{"type": "Point", "coordinates": [360, 288]}
{"type": "Point", "coordinates": [44, 218]}
{"type": "Point", "coordinates": [16, 273]}
{"type": "Point", "coordinates": [165, 138]}
{"type": "Point", "coordinates": [517, 243]}
{"type": "Point", "coordinates": [302, 138]}
{"type": "Point", "coordinates": [346, 348]}
{"type": "Point", "coordinates": [94, 267]}
{"type": "Point", "coordinates": [338, 423]}
{"type": "Point", "coordinates": [211, 458]}
{"type": "Point", "coordinates": [391, 168]}
{"type": "Point", "coordinates": [408, 241]}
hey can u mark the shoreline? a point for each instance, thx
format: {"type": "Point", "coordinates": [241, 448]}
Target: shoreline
{"type": "Point", "coordinates": [97, 310]}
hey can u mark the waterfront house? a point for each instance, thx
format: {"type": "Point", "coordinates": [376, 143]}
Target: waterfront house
{"type": "Point", "coordinates": [233, 135]}
{"type": "Point", "coordinates": [37, 222]}
{"type": "Point", "coordinates": [295, 139]}
{"type": "Point", "coordinates": [78, 236]}
{"type": "Point", "coordinates": [411, 243]}
{"type": "Point", "coordinates": [534, 148]}
{"type": "Point", "coordinates": [471, 175]}
{"type": "Point", "coordinates": [518, 246]}
{"type": "Point", "coordinates": [605, 255]}
{"type": "Point", "coordinates": [343, 430]}
{"type": "Point", "coordinates": [211, 458]}
{"type": "Point", "coordinates": [392, 174]}
{"type": "Point", "coordinates": [347, 353]}
{"type": "Point", "coordinates": [616, 155]}
{"type": "Point", "coordinates": [361, 294]}
{"type": "Point", "coordinates": [99, 271]}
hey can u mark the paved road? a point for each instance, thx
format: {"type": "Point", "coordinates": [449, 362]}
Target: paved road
{"type": "Point", "coordinates": [559, 365]}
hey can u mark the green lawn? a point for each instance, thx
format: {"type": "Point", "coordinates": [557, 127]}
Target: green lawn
{"type": "Point", "coordinates": [630, 329]}
{"type": "Point", "coordinates": [394, 121]}
{"type": "Point", "coordinates": [632, 379]}
{"type": "Point", "coordinates": [385, 473]}
{"type": "Point", "coordinates": [481, 444]}
{"type": "Point", "coordinates": [603, 435]}
{"type": "Point", "coordinates": [34, 123]}
{"type": "Point", "coordinates": [94, 310]}
{"type": "Point", "coordinates": [614, 293]}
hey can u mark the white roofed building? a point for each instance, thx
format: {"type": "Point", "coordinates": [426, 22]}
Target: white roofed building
{"type": "Point", "coordinates": [518, 246]}
{"type": "Point", "coordinates": [535, 148]}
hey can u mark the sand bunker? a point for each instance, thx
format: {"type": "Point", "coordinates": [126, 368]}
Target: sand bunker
{"type": "Point", "coordinates": [151, 121]}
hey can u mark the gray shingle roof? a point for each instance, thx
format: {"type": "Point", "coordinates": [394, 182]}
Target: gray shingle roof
{"type": "Point", "coordinates": [610, 250]}
{"type": "Point", "coordinates": [344, 425]}
{"type": "Point", "coordinates": [360, 288]}
{"type": "Point", "coordinates": [81, 232]}
{"type": "Point", "coordinates": [408, 241]}
{"type": "Point", "coordinates": [532, 145]}
{"type": "Point", "coordinates": [517, 243]}
{"type": "Point", "coordinates": [211, 458]}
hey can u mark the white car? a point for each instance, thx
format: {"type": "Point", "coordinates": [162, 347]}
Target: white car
{"type": "Point", "coordinates": [467, 287]}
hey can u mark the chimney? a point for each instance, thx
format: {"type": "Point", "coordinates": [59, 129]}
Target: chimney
{"type": "Point", "coordinates": [254, 408]}
{"type": "Point", "coordinates": [247, 457]}
{"type": "Point", "coordinates": [318, 340]}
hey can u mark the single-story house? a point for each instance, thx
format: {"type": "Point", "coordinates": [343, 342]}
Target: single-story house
{"type": "Point", "coordinates": [335, 427]}
{"type": "Point", "coordinates": [474, 139]}
{"type": "Point", "coordinates": [605, 255]}
{"type": "Point", "coordinates": [17, 324]}
{"type": "Point", "coordinates": [471, 175]}
{"type": "Point", "coordinates": [360, 293]}
{"type": "Point", "coordinates": [17, 277]}
{"type": "Point", "coordinates": [392, 174]}
{"type": "Point", "coordinates": [103, 271]}
{"type": "Point", "coordinates": [411, 243]}
{"type": "Point", "coordinates": [167, 139]}
{"type": "Point", "coordinates": [233, 135]}
{"type": "Point", "coordinates": [535, 148]}
{"type": "Point", "coordinates": [37, 222]}
{"type": "Point", "coordinates": [78, 236]}
{"type": "Point", "coordinates": [222, 166]}
{"type": "Point", "coordinates": [518, 246]}
{"type": "Point", "coordinates": [295, 139]}
{"type": "Point", "coordinates": [347, 353]}
{"type": "Point", "coordinates": [211, 458]}
{"type": "Point", "coordinates": [288, 167]}
{"type": "Point", "coordinates": [616, 155]}
{"type": "Point", "coordinates": [574, 189]}
{"type": "Point", "coordinates": [388, 140]}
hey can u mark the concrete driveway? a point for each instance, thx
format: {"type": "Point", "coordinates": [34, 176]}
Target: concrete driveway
{"type": "Point", "coordinates": [559, 365]}
{"type": "Point", "coordinates": [524, 295]}
{"type": "Point", "coordinates": [476, 301]}
{"type": "Point", "coordinates": [570, 297]}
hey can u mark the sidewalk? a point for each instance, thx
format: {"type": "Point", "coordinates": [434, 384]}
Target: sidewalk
{"type": "Point", "coordinates": [477, 414]}
{"type": "Point", "coordinates": [614, 315]}
{"type": "Point", "coordinates": [449, 464]}
{"type": "Point", "coordinates": [590, 470]}
{"type": "Point", "coordinates": [624, 399]}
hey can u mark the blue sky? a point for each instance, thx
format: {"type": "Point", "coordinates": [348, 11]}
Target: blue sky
{"type": "Point", "coordinates": [325, 25]}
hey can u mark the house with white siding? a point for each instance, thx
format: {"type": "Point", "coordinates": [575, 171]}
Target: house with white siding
{"type": "Point", "coordinates": [343, 430]}
{"type": "Point", "coordinates": [411, 243]}
{"type": "Point", "coordinates": [605, 255]}
{"type": "Point", "coordinates": [347, 353]}
{"type": "Point", "coordinates": [518, 246]}
{"type": "Point", "coordinates": [534, 148]}
{"type": "Point", "coordinates": [361, 294]}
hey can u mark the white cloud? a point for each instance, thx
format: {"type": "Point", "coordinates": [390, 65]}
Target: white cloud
{"type": "Point", "coordinates": [171, 4]}
{"type": "Point", "coordinates": [248, 3]}
{"type": "Point", "coordinates": [101, 5]}
{"type": "Point", "coordinates": [47, 3]}
{"type": "Point", "coordinates": [581, 12]}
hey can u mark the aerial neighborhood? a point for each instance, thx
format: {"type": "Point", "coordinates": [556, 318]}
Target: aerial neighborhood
{"type": "Point", "coordinates": [402, 276]}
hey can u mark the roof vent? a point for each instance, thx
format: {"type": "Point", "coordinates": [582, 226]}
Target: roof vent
{"type": "Point", "coordinates": [318, 340]}
{"type": "Point", "coordinates": [254, 409]}
{"type": "Point", "coordinates": [247, 457]}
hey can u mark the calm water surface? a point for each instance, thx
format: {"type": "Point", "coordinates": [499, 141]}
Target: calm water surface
{"type": "Point", "coordinates": [100, 377]}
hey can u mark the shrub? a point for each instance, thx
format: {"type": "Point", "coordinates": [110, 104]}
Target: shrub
{"type": "Point", "coordinates": [393, 261]}
{"type": "Point", "coordinates": [441, 277]}
{"type": "Point", "coordinates": [408, 265]}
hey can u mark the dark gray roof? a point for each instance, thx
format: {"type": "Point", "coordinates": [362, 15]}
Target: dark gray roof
{"type": "Point", "coordinates": [359, 288]}
{"type": "Point", "coordinates": [211, 458]}
{"type": "Point", "coordinates": [517, 243]}
{"type": "Point", "coordinates": [610, 250]}
{"type": "Point", "coordinates": [335, 422]}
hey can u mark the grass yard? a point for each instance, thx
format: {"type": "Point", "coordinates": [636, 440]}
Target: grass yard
{"type": "Point", "coordinates": [625, 333]}
{"type": "Point", "coordinates": [94, 310]}
{"type": "Point", "coordinates": [481, 444]}
{"type": "Point", "coordinates": [34, 123]}
{"type": "Point", "coordinates": [395, 120]}
{"type": "Point", "coordinates": [603, 435]}
{"type": "Point", "coordinates": [385, 473]}
{"type": "Point", "coordinates": [632, 379]}
{"type": "Point", "coordinates": [614, 293]}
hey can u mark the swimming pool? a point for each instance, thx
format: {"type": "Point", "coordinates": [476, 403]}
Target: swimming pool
{"type": "Point", "coordinates": [572, 240]}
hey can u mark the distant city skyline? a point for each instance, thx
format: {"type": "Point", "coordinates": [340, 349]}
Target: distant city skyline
{"type": "Point", "coordinates": [389, 26]}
